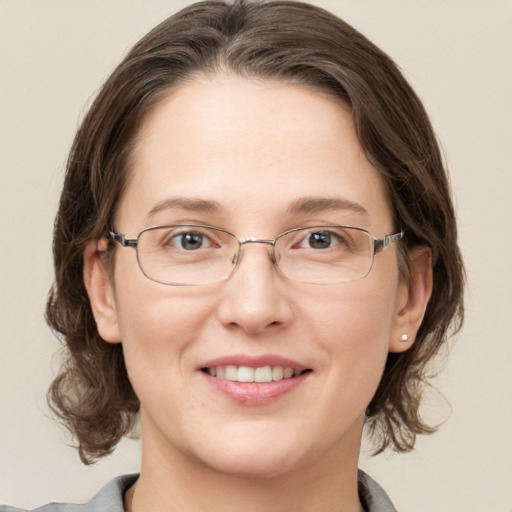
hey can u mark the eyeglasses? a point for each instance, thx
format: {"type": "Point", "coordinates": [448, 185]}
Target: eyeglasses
{"type": "Point", "coordinates": [191, 254]}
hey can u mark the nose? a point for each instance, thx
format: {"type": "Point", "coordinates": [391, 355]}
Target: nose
{"type": "Point", "coordinates": [256, 297]}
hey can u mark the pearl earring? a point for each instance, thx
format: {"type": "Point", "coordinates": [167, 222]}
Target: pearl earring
{"type": "Point", "coordinates": [404, 337]}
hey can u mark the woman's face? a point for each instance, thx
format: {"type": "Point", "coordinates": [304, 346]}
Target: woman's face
{"type": "Point", "coordinates": [254, 158]}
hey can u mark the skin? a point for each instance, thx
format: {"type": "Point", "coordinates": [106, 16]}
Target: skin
{"type": "Point", "coordinates": [254, 148]}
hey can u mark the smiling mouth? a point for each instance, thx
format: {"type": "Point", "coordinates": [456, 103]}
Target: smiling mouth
{"type": "Point", "coordinates": [248, 374]}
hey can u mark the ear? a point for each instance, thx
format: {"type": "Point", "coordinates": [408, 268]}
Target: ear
{"type": "Point", "coordinates": [100, 290]}
{"type": "Point", "coordinates": [413, 297]}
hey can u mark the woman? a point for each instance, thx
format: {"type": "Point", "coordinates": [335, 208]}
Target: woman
{"type": "Point", "coordinates": [256, 254]}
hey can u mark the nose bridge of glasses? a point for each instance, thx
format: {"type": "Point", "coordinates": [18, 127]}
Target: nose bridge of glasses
{"type": "Point", "coordinates": [246, 241]}
{"type": "Point", "coordinates": [257, 241]}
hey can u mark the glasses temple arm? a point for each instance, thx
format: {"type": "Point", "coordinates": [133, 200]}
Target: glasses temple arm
{"type": "Point", "coordinates": [384, 243]}
{"type": "Point", "coordinates": [122, 240]}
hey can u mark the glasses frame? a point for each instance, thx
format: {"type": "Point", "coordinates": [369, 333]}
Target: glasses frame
{"type": "Point", "coordinates": [378, 245]}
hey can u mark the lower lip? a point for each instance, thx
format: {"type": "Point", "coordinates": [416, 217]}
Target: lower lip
{"type": "Point", "coordinates": [255, 393]}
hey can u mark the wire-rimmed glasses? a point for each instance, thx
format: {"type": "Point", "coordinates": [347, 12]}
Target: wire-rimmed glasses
{"type": "Point", "coordinates": [192, 254]}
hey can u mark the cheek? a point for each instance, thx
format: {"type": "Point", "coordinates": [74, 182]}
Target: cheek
{"type": "Point", "coordinates": [352, 328]}
{"type": "Point", "coordinates": [158, 324]}
{"type": "Point", "coordinates": [159, 332]}
{"type": "Point", "coordinates": [356, 316]}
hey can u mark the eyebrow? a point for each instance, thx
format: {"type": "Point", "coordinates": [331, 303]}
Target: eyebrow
{"type": "Point", "coordinates": [319, 204]}
{"type": "Point", "coordinates": [188, 203]}
{"type": "Point", "coordinates": [301, 205]}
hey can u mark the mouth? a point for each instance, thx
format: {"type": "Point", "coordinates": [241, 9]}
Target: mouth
{"type": "Point", "coordinates": [259, 374]}
{"type": "Point", "coordinates": [252, 380]}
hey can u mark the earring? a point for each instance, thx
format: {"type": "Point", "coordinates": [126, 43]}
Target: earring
{"type": "Point", "coordinates": [404, 337]}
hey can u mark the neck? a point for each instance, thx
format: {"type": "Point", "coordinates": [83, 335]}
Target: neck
{"type": "Point", "coordinates": [176, 481]}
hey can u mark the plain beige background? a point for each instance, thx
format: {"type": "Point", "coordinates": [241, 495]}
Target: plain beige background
{"type": "Point", "coordinates": [457, 53]}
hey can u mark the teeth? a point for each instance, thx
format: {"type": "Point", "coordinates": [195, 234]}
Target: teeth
{"type": "Point", "coordinates": [263, 374]}
{"type": "Point", "coordinates": [231, 372]}
{"type": "Point", "coordinates": [245, 374]}
{"type": "Point", "coordinates": [248, 374]}
{"type": "Point", "coordinates": [277, 373]}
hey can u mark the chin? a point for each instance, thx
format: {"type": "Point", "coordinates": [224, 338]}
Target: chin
{"type": "Point", "coordinates": [249, 455]}
{"type": "Point", "coordinates": [254, 466]}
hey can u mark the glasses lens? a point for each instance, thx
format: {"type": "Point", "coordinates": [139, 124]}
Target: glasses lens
{"type": "Point", "coordinates": [186, 254]}
{"type": "Point", "coordinates": [324, 255]}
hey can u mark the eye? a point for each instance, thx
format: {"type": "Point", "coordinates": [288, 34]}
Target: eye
{"type": "Point", "coordinates": [320, 240]}
{"type": "Point", "coordinates": [190, 241]}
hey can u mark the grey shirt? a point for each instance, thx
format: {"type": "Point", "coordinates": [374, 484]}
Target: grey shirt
{"type": "Point", "coordinates": [111, 497]}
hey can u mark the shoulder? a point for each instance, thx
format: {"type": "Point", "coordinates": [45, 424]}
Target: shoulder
{"type": "Point", "coordinates": [372, 495]}
{"type": "Point", "coordinates": [109, 499]}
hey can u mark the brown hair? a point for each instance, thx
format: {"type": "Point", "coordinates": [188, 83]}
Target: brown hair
{"type": "Point", "coordinates": [289, 41]}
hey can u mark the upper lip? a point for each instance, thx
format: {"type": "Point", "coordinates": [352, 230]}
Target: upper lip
{"type": "Point", "coordinates": [253, 361]}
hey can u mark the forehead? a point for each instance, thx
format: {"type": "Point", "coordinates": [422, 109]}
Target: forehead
{"type": "Point", "coordinates": [251, 148]}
